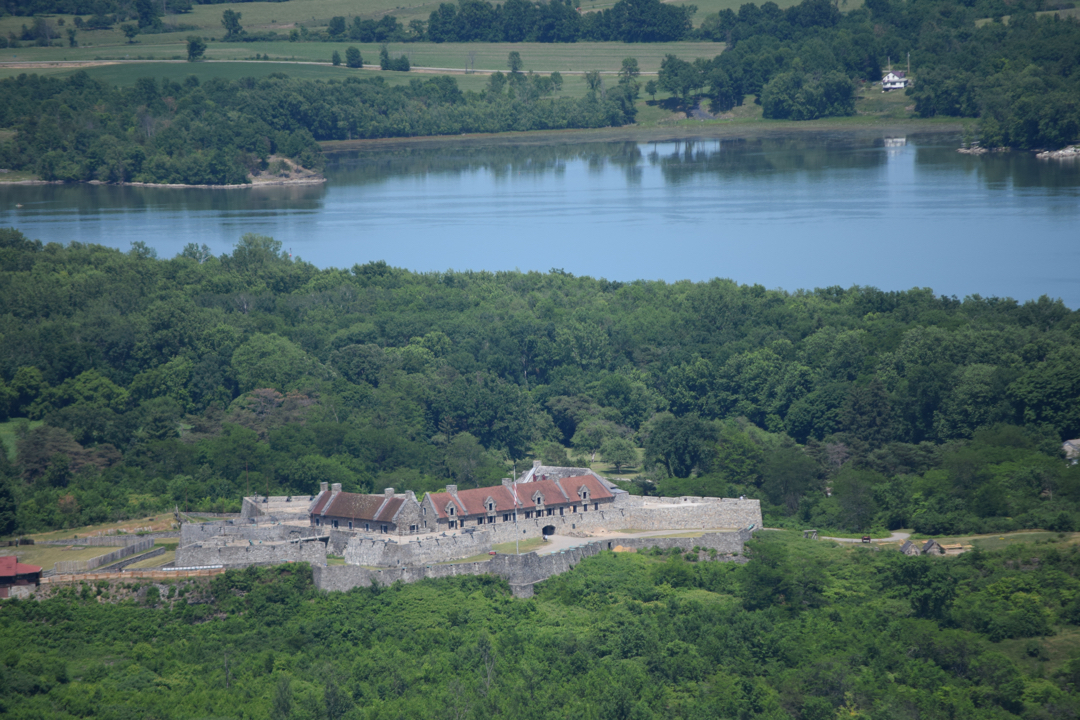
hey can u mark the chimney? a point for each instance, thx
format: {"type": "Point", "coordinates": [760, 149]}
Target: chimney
{"type": "Point", "coordinates": [452, 489]}
{"type": "Point", "coordinates": [507, 482]}
{"type": "Point", "coordinates": [389, 492]}
{"type": "Point", "coordinates": [336, 487]}
{"type": "Point", "coordinates": [323, 487]}
{"type": "Point", "coordinates": [536, 463]}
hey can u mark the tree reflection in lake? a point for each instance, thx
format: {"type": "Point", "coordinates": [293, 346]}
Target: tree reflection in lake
{"type": "Point", "coordinates": [794, 211]}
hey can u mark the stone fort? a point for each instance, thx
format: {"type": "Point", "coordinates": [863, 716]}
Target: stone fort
{"type": "Point", "coordinates": [394, 536]}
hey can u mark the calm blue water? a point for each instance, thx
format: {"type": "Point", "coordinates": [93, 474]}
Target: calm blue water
{"type": "Point", "coordinates": [800, 211]}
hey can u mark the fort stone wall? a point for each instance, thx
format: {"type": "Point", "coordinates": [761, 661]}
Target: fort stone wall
{"type": "Point", "coordinates": [366, 550]}
{"type": "Point", "coordinates": [194, 533]}
{"type": "Point", "coordinates": [523, 571]}
{"type": "Point", "coordinates": [203, 555]}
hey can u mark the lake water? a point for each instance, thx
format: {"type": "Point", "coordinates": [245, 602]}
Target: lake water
{"type": "Point", "coordinates": [798, 211]}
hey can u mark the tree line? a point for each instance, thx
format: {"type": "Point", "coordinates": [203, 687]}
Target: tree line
{"type": "Point", "coordinates": [804, 631]}
{"type": "Point", "coordinates": [124, 9]}
{"type": "Point", "coordinates": [218, 132]}
{"type": "Point", "coordinates": [134, 383]}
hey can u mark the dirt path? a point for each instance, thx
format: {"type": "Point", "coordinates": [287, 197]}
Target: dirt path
{"type": "Point", "coordinates": [895, 537]}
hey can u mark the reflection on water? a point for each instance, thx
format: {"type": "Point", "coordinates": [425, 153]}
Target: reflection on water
{"type": "Point", "coordinates": [796, 211]}
{"type": "Point", "coordinates": [93, 200]}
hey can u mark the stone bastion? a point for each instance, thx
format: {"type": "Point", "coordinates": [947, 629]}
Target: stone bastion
{"type": "Point", "coordinates": [235, 544]}
{"type": "Point", "coordinates": [523, 571]}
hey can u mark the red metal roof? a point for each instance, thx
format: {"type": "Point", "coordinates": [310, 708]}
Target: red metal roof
{"type": "Point", "coordinates": [10, 567]}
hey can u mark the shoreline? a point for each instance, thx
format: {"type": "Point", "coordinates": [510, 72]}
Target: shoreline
{"type": "Point", "coordinates": [314, 180]}
{"type": "Point", "coordinates": [683, 130]}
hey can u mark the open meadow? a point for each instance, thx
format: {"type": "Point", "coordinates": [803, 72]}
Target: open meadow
{"type": "Point", "coordinates": [489, 57]}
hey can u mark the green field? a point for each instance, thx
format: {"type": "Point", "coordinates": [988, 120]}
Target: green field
{"type": "Point", "coordinates": [48, 555]}
{"type": "Point", "coordinates": [538, 57]}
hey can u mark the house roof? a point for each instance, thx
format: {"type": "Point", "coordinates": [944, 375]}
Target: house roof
{"type": "Point", "coordinates": [549, 490]}
{"type": "Point", "coordinates": [597, 490]}
{"type": "Point", "coordinates": [375, 508]}
{"type": "Point", "coordinates": [556, 472]}
{"type": "Point", "coordinates": [442, 500]}
{"type": "Point", "coordinates": [10, 567]}
{"type": "Point", "coordinates": [389, 509]}
{"type": "Point", "coordinates": [320, 502]}
{"type": "Point", "coordinates": [895, 73]}
{"type": "Point", "coordinates": [553, 492]}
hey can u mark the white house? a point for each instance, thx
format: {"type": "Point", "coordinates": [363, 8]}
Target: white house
{"type": "Point", "coordinates": [893, 80]}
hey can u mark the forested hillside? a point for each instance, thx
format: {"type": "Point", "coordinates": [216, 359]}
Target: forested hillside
{"type": "Point", "coordinates": [805, 631]}
{"type": "Point", "coordinates": [135, 383]}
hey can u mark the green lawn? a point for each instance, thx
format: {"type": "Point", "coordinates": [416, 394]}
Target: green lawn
{"type": "Point", "coordinates": [46, 556]}
{"type": "Point", "coordinates": [526, 546]}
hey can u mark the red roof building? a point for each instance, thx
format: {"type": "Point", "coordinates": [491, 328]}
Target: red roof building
{"type": "Point", "coordinates": [13, 572]}
{"type": "Point", "coordinates": [455, 509]}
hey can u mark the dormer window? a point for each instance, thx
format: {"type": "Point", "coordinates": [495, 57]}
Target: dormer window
{"type": "Point", "coordinates": [451, 511]}
{"type": "Point", "coordinates": [491, 507]}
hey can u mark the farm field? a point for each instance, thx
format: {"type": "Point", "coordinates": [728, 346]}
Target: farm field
{"type": "Point", "coordinates": [538, 57]}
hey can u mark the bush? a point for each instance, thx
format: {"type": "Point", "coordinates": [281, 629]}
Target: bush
{"type": "Point", "coordinates": [353, 58]}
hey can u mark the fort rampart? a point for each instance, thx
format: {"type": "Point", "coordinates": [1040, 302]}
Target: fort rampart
{"type": "Point", "coordinates": [638, 515]}
{"type": "Point", "coordinates": [240, 555]}
{"type": "Point", "coordinates": [225, 532]}
{"type": "Point", "coordinates": [523, 571]}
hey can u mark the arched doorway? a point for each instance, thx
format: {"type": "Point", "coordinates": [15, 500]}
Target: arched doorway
{"type": "Point", "coordinates": [549, 530]}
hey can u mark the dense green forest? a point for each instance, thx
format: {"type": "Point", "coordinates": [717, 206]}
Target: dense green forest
{"type": "Point", "coordinates": [215, 133]}
{"type": "Point", "coordinates": [805, 631]}
{"type": "Point", "coordinates": [135, 383]}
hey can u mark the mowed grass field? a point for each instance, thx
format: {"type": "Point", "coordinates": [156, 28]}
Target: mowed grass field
{"type": "Point", "coordinates": [489, 57]}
